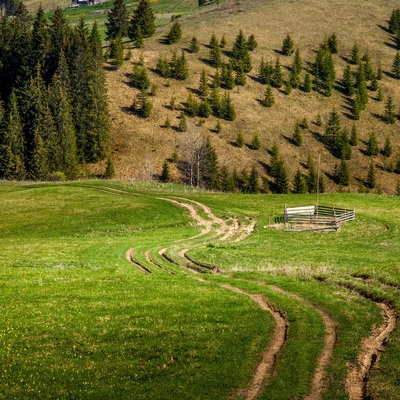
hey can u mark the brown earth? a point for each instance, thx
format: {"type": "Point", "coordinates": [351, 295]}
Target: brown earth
{"type": "Point", "coordinates": [140, 146]}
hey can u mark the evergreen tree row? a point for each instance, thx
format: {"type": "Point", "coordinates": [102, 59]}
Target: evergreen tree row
{"type": "Point", "coordinates": [49, 121]}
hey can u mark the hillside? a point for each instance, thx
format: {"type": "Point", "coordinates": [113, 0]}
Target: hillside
{"type": "Point", "coordinates": [141, 145]}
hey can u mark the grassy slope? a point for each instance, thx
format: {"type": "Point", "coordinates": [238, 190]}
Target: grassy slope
{"type": "Point", "coordinates": [310, 21]}
{"type": "Point", "coordinates": [92, 323]}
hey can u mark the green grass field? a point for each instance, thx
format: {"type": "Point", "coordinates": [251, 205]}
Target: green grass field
{"type": "Point", "coordinates": [80, 321]}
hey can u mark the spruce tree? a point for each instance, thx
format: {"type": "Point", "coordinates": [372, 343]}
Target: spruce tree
{"type": "Point", "coordinates": [368, 70]}
{"type": "Point", "coordinates": [204, 89]}
{"type": "Point", "coordinates": [396, 65]}
{"type": "Point", "coordinates": [256, 142]}
{"type": "Point", "coordinates": [191, 106]}
{"type": "Point", "coordinates": [210, 170]}
{"type": "Point", "coordinates": [333, 128]}
{"type": "Point", "coordinates": [239, 139]}
{"type": "Point", "coordinates": [165, 174]}
{"type": "Point", "coordinates": [40, 39]}
{"type": "Point", "coordinates": [179, 67]}
{"type": "Point", "coordinates": [240, 78]}
{"type": "Point", "coordinates": [361, 87]}
{"type": "Point", "coordinates": [299, 183]}
{"type": "Point", "coordinates": [332, 43]}
{"type": "Point", "coordinates": [137, 36]}
{"type": "Point", "coordinates": [355, 56]}
{"type": "Point", "coordinates": [308, 83]}
{"type": "Point", "coordinates": [240, 54]}
{"type": "Point", "coordinates": [347, 81]}
{"type": "Point", "coordinates": [163, 67]}
{"type": "Point", "coordinates": [205, 109]}
{"type": "Point", "coordinates": [143, 105]}
{"type": "Point", "coordinates": [277, 74]}
{"type": "Point", "coordinates": [253, 185]}
{"type": "Point", "coordinates": [39, 169]}
{"type": "Point", "coordinates": [182, 122]}
{"type": "Point", "coordinates": [311, 177]}
{"type": "Point", "coordinates": [194, 45]}
{"type": "Point", "coordinates": [251, 43]}
{"type": "Point", "coordinates": [269, 99]}
{"type": "Point", "coordinates": [297, 67]}
{"type": "Point", "coordinates": [227, 109]}
{"type": "Point", "coordinates": [110, 171]}
{"type": "Point", "coordinates": [343, 173]}
{"type": "Point", "coordinates": [389, 115]}
{"type": "Point", "coordinates": [287, 46]}
{"type": "Point", "coordinates": [354, 135]}
{"type": "Point", "coordinates": [222, 42]}
{"type": "Point", "coordinates": [140, 78]}
{"type": "Point", "coordinates": [394, 21]}
{"type": "Point", "coordinates": [281, 179]}
{"type": "Point", "coordinates": [117, 51]}
{"type": "Point", "coordinates": [143, 16]}
{"type": "Point", "coordinates": [215, 52]}
{"type": "Point", "coordinates": [175, 33]}
{"type": "Point", "coordinates": [117, 20]}
{"type": "Point", "coordinates": [297, 137]}
{"type": "Point", "coordinates": [265, 72]}
{"type": "Point", "coordinates": [387, 150]}
{"type": "Point", "coordinates": [370, 181]}
{"type": "Point", "coordinates": [372, 145]}
{"type": "Point", "coordinates": [324, 70]}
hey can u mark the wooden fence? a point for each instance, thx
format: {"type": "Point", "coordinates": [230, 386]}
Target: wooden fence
{"type": "Point", "coordinates": [308, 218]}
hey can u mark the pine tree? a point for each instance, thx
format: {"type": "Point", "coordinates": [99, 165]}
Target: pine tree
{"type": "Point", "coordinates": [333, 128]}
{"type": "Point", "coordinates": [175, 33]}
{"type": "Point", "coordinates": [396, 65]}
{"type": "Point", "coordinates": [137, 37]}
{"type": "Point", "coordinates": [253, 185]}
{"type": "Point", "coordinates": [287, 46]}
{"type": "Point", "coordinates": [110, 171]}
{"type": "Point", "coordinates": [281, 180]}
{"type": "Point", "coordinates": [210, 173]}
{"type": "Point", "coordinates": [240, 78]}
{"type": "Point", "coordinates": [140, 78]}
{"type": "Point", "coordinates": [374, 86]}
{"type": "Point", "coordinates": [240, 54]}
{"type": "Point", "coordinates": [179, 67]}
{"type": "Point", "coordinates": [256, 142]}
{"type": "Point", "coordinates": [269, 99]}
{"type": "Point", "coordinates": [343, 174]}
{"type": "Point", "coordinates": [222, 42]}
{"type": "Point", "coordinates": [297, 67]}
{"type": "Point", "coordinates": [347, 81]}
{"type": "Point", "coordinates": [368, 70]}
{"type": "Point", "coordinates": [354, 135]}
{"type": "Point", "coordinates": [389, 115]}
{"type": "Point", "coordinates": [332, 44]}
{"type": "Point", "coordinates": [311, 178]}
{"type": "Point", "coordinates": [191, 106]}
{"type": "Point", "coordinates": [277, 74]}
{"type": "Point", "coordinates": [308, 83]}
{"type": "Point", "coordinates": [40, 39]}
{"type": "Point", "coordinates": [205, 109]}
{"type": "Point", "coordinates": [252, 43]}
{"type": "Point", "coordinates": [324, 70]}
{"type": "Point", "coordinates": [265, 72]}
{"type": "Point", "coordinates": [39, 169]}
{"type": "Point", "coordinates": [394, 21]}
{"type": "Point", "coordinates": [372, 145]}
{"type": "Point", "coordinates": [297, 137]}
{"type": "Point", "coordinates": [182, 122]}
{"type": "Point", "coordinates": [117, 20]}
{"type": "Point", "coordinates": [217, 79]}
{"type": "Point", "coordinates": [143, 16]}
{"type": "Point", "coordinates": [165, 174]}
{"type": "Point", "coordinates": [117, 51]}
{"type": "Point", "coordinates": [228, 78]}
{"type": "Point", "coordinates": [342, 147]}
{"type": "Point", "coordinates": [379, 73]}
{"type": "Point", "coordinates": [239, 139]}
{"type": "Point", "coordinates": [288, 87]}
{"type": "Point", "coordinates": [227, 110]}
{"type": "Point", "coordinates": [379, 97]}
{"type": "Point", "coordinates": [163, 67]}
{"type": "Point", "coordinates": [370, 181]}
{"type": "Point", "coordinates": [318, 120]}
{"type": "Point", "coordinates": [387, 150]}
{"type": "Point", "coordinates": [215, 52]}
{"type": "Point", "coordinates": [355, 55]}
{"type": "Point", "coordinates": [194, 45]}
{"type": "Point", "coordinates": [204, 89]}
{"type": "Point", "coordinates": [299, 183]}
{"type": "Point", "coordinates": [361, 87]}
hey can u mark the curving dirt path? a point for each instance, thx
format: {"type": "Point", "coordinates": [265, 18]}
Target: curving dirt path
{"type": "Point", "coordinates": [318, 385]}
{"type": "Point", "coordinates": [265, 368]}
{"type": "Point", "coordinates": [156, 264]}
{"type": "Point", "coordinates": [372, 347]}
{"type": "Point", "coordinates": [129, 256]}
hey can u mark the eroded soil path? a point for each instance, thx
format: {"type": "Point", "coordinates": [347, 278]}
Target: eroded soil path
{"type": "Point", "coordinates": [372, 347]}
{"type": "Point", "coordinates": [265, 368]}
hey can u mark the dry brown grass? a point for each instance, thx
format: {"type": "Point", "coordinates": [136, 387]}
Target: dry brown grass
{"type": "Point", "coordinates": [140, 146]}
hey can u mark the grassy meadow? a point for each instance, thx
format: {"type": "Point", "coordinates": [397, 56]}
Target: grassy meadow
{"type": "Point", "coordinates": [80, 321]}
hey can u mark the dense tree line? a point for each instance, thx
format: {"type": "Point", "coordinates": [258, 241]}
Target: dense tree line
{"type": "Point", "coordinates": [50, 122]}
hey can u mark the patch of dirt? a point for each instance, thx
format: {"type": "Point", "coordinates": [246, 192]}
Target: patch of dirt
{"type": "Point", "coordinates": [268, 358]}
{"type": "Point", "coordinates": [151, 261]}
{"type": "Point", "coordinates": [372, 347]}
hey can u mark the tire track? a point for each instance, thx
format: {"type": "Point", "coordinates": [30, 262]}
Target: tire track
{"type": "Point", "coordinates": [318, 385]}
{"type": "Point", "coordinates": [371, 349]}
{"type": "Point", "coordinates": [129, 256]}
{"type": "Point", "coordinates": [156, 264]}
{"type": "Point", "coordinates": [270, 355]}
